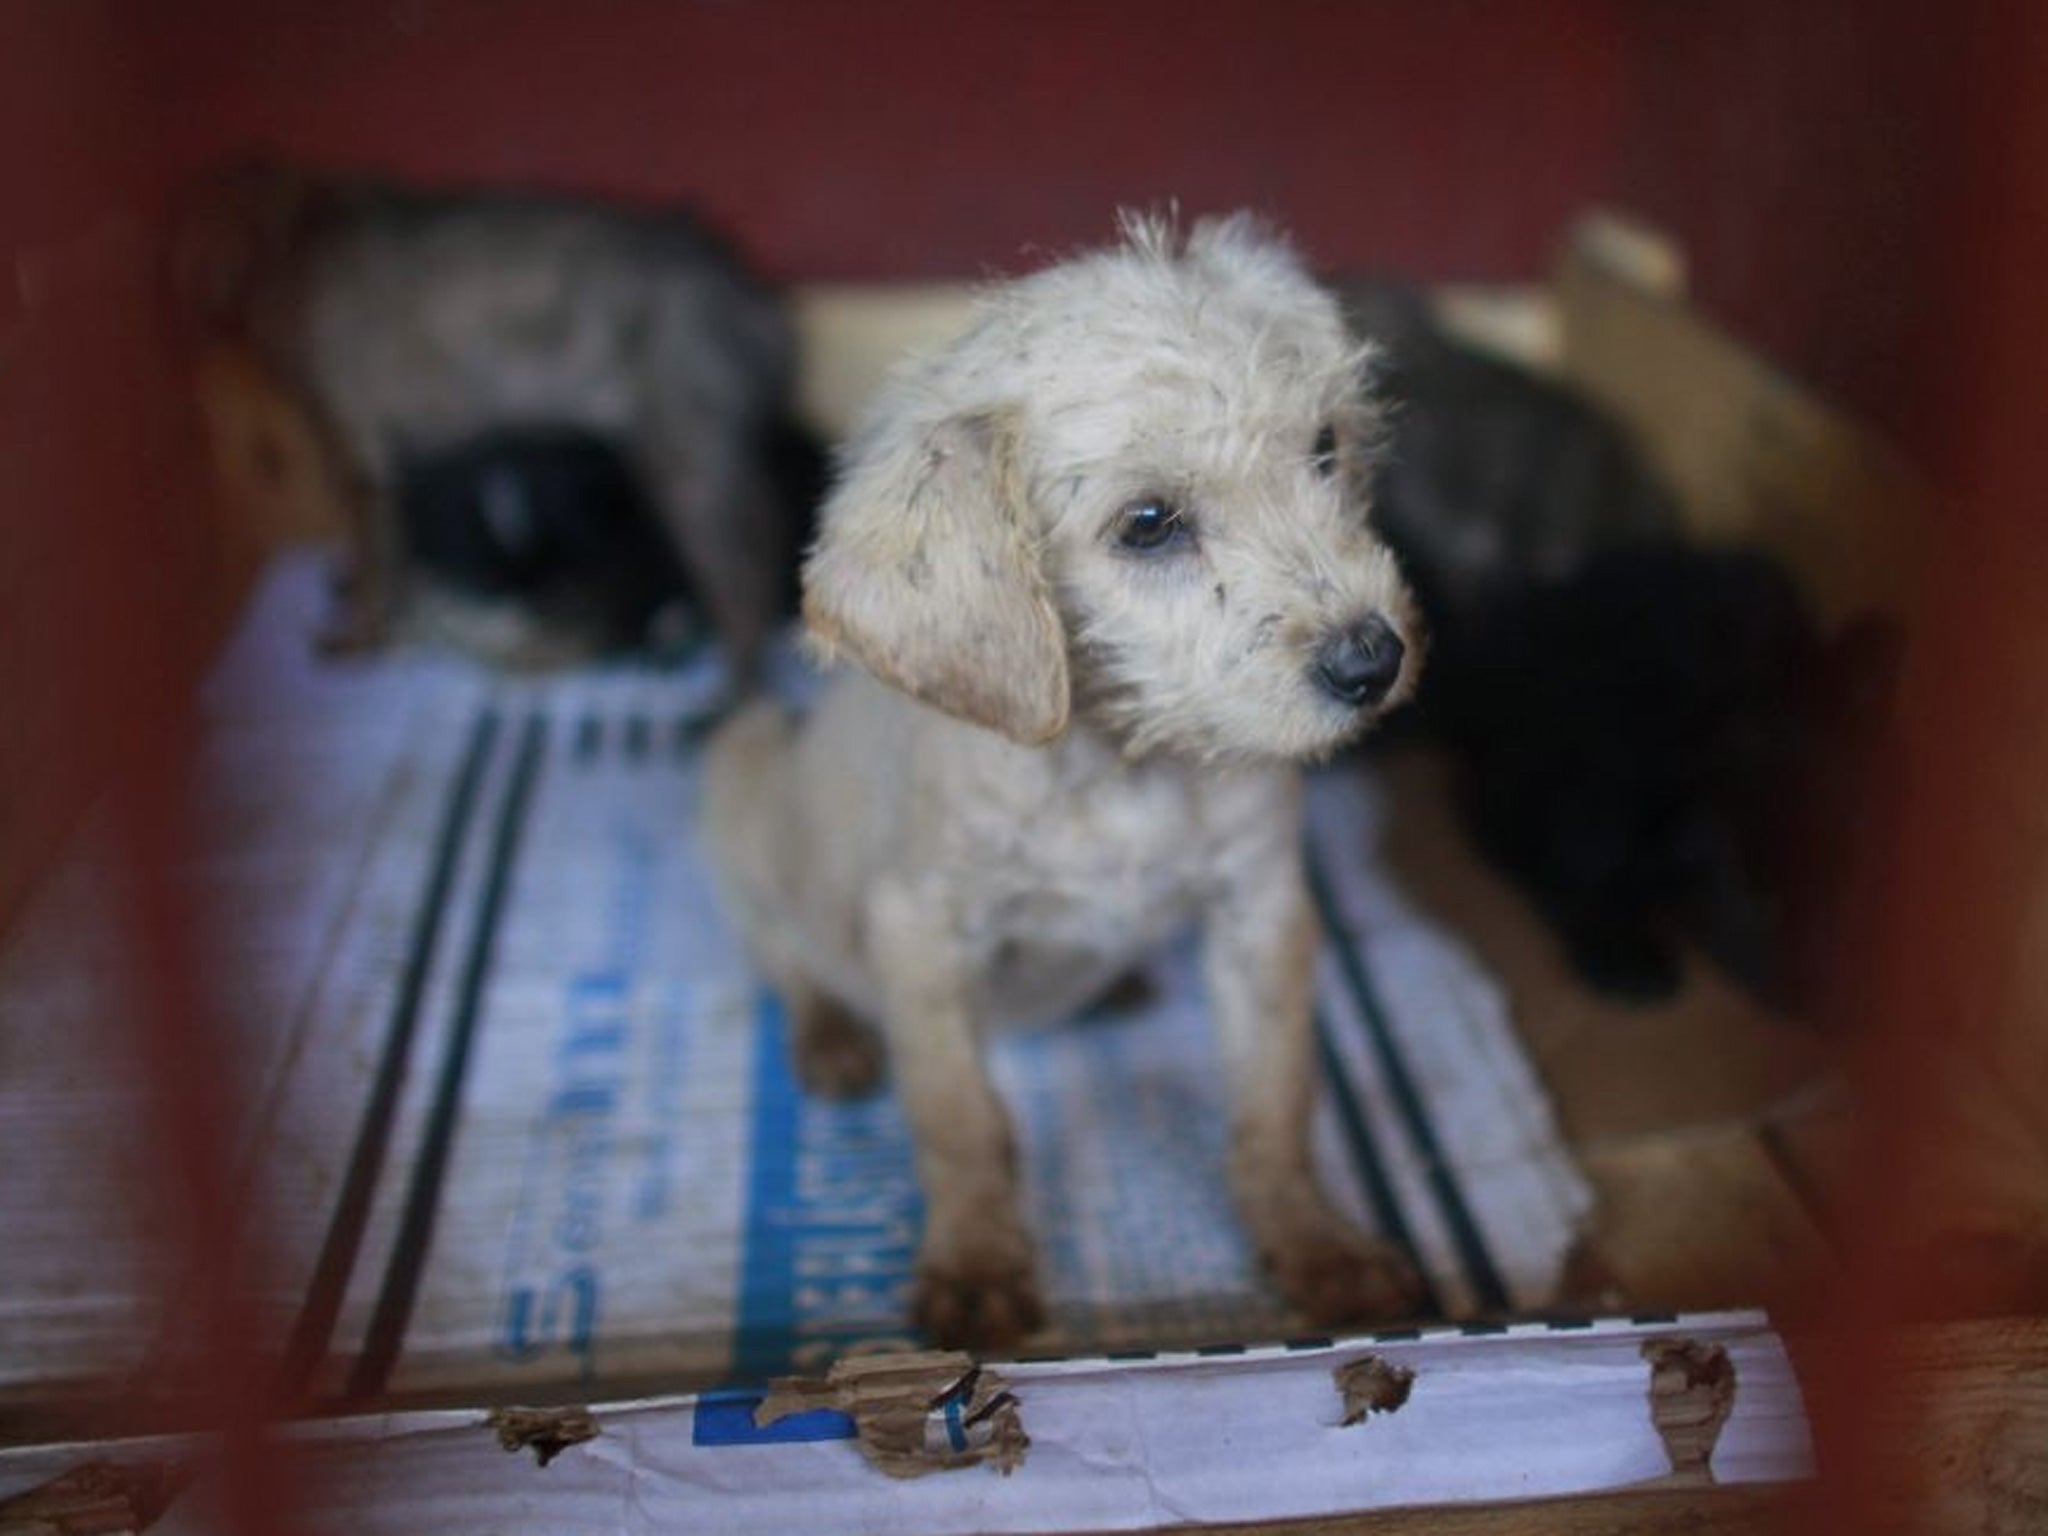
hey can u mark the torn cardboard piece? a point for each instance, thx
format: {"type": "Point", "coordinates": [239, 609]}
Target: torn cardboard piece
{"type": "Point", "coordinates": [1171, 1440]}
{"type": "Point", "coordinates": [547, 1432]}
{"type": "Point", "coordinates": [1692, 1393]}
{"type": "Point", "coordinates": [1372, 1385]}
{"type": "Point", "coordinates": [914, 1413]}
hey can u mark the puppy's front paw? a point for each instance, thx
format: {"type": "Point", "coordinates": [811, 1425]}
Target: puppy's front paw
{"type": "Point", "coordinates": [979, 1301]}
{"type": "Point", "coordinates": [1336, 1276]}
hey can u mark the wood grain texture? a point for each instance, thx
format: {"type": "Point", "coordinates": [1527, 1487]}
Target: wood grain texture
{"type": "Point", "coordinates": [1694, 1512]}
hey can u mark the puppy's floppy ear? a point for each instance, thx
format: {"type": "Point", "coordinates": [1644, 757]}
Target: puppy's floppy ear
{"type": "Point", "coordinates": [928, 574]}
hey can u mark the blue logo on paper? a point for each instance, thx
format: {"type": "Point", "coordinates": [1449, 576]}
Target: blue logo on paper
{"type": "Point", "coordinates": [833, 1216]}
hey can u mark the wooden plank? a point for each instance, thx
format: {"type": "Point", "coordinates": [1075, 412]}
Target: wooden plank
{"type": "Point", "coordinates": [1971, 1414]}
{"type": "Point", "coordinates": [1698, 1220]}
{"type": "Point", "coordinates": [1659, 1512]}
{"type": "Point", "coordinates": [1939, 1428]}
{"type": "Point", "coordinates": [852, 335]}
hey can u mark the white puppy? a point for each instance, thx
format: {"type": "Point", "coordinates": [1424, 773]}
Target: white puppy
{"type": "Point", "coordinates": [1107, 565]}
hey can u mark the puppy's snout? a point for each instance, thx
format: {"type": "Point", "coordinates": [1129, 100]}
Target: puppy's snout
{"type": "Point", "coordinates": [1361, 662]}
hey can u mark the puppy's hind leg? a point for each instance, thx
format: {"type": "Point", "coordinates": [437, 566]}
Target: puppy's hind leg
{"type": "Point", "coordinates": [744, 813]}
{"type": "Point", "coordinates": [975, 1281]}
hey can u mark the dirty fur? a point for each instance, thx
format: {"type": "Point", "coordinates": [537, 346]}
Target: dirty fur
{"type": "Point", "coordinates": [415, 323]}
{"type": "Point", "coordinates": [1059, 747]}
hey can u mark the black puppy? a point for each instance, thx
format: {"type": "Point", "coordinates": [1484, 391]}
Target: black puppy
{"type": "Point", "coordinates": [1661, 749]}
{"type": "Point", "coordinates": [546, 535]}
{"type": "Point", "coordinates": [1492, 476]}
{"type": "Point", "coordinates": [1653, 741]}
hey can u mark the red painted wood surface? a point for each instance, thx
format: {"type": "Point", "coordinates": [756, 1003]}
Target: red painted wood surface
{"type": "Point", "coordinates": [1860, 189]}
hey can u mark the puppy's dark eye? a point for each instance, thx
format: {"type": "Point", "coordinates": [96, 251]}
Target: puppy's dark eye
{"type": "Point", "coordinates": [1151, 523]}
{"type": "Point", "coordinates": [1324, 454]}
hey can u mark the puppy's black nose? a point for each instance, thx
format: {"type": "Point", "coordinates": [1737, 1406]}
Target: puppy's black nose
{"type": "Point", "coordinates": [1359, 665]}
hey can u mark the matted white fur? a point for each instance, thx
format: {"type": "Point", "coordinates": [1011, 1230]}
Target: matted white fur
{"type": "Point", "coordinates": [1095, 559]}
